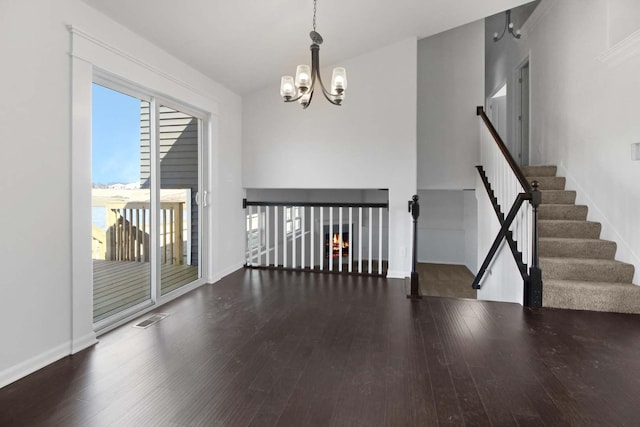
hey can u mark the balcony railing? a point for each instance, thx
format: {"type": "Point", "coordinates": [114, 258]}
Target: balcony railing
{"type": "Point", "coordinates": [127, 229]}
{"type": "Point", "coordinates": [329, 237]}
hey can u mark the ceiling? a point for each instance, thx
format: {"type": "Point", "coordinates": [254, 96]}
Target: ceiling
{"type": "Point", "coordinates": [249, 44]}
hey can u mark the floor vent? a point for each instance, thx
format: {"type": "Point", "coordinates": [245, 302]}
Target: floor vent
{"type": "Point", "coordinates": [150, 321]}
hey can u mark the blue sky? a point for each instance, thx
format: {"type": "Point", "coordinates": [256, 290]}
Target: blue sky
{"type": "Point", "coordinates": [116, 137]}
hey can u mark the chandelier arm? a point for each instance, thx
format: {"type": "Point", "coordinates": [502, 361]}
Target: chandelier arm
{"type": "Point", "coordinates": [327, 94]}
{"type": "Point", "coordinates": [315, 72]}
{"type": "Point", "coordinates": [293, 99]}
{"type": "Point", "coordinates": [506, 25]}
{"type": "Point", "coordinates": [507, 28]}
{"type": "Point", "coordinates": [305, 106]}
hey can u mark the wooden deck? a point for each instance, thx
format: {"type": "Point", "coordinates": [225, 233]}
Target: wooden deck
{"type": "Point", "coordinates": [118, 285]}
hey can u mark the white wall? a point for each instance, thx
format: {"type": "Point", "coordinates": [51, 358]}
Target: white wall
{"type": "Point", "coordinates": [471, 231]}
{"type": "Point", "coordinates": [447, 230]}
{"type": "Point", "coordinates": [450, 86]}
{"type": "Point", "coordinates": [43, 312]}
{"type": "Point", "coordinates": [584, 95]}
{"type": "Point", "coordinates": [369, 142]}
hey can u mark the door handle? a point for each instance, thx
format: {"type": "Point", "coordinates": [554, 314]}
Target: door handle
{"type": "Point", "coordinates": [201, 199]}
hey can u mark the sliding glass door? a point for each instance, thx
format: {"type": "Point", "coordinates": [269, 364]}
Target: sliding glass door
{"type": "Point", "coordinates": [146, 175]}
{"type": "Point", "coordinates": [179, 137]}
{"type": "Point", "coordinates": [122, 225]}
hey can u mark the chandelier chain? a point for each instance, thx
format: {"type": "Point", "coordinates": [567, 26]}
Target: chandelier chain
{"type": "Point", "coordinates": [314, 15]}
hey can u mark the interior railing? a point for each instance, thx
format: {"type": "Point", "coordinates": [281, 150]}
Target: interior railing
{"type": "Point", "coordinates": [507, 187]}
{"type": "Point", "coordinates": [325, 237]}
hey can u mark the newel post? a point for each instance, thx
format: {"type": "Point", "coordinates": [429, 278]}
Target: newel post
{"type": "Point", "coordinates": [533, 292]}
{"type": "Point", "coordinates": [414, 209]}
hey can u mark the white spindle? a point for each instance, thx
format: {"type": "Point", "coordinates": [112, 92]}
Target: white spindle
{"type": "Point", "coordinates": [379, 240]}
{"type": "Point", "coordinates": [359, 240]}
{"type": "Point", "coordinates": [312, 228]}
{"type": "Point", "coordinates": [275, 236]}
{"type": "Point", "coordinates": [370, 270]}
{"type": "Point", "coordinates": [302, 226]}
{"type": "Point", "coordinates": [259, 245]}
{"type": "Point", "coordinates": [249, 247]}
{"type": "Point", "coordinates": [284, 237]}
{"type": "Point", "coordinates": [321, 238]}
{"type": "Point", "coordinates": [340, 239]}
{"type": "Point", "coordinates": [267, 240]}
{"type": "Point", "coordinates": [294, 258]}
{"type": "Point", "coordinates": [330, 248]}
{"type": "Point", "coordinates": [350, 239]}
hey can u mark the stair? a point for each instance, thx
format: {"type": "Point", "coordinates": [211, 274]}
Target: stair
{"type": "Point", "coordinates": [579, 271]}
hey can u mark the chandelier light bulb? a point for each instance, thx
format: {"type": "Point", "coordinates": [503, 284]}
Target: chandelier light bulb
{"type": "Point", "coordinates": [339, 80]}
{"type": "Point", "coordinates": [287, 87]}
{"type": "Point", "coordinates": [303, 77]}
{"type": "Point", "coordinates": [305, 99]}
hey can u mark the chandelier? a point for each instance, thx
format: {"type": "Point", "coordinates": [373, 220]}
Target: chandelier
{"type": "Point", "coordinates": [301, 88]}
{"type": "Point", "coordinates": [508, 26]}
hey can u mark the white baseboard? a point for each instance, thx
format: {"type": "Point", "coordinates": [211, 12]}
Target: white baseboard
{"type": "Point", "coordinates": [398, 274]}
{"type": "Point", "coordinates": [83, 342]}
{"type": "Point", "coordinates": [218, 275]}
{"type": "Point", "coordinates": [422, 261]}
{"type": "Point", "coordinates": [14, 373]}
{"type": "Point", "coordinates": [624, 252]}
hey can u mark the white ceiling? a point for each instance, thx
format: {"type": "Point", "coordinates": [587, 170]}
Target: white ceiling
{"type": "Point", "coordinates": [248, 44]}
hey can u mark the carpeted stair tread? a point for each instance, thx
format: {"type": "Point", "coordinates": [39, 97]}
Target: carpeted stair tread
{"type": "Point", "coordinates": [595, 296]}
{"type": "Point", "coordinates": [563, 211]}
{"type": "Point", "coordinates": [558, 196]}
{"type": "Point", "coordinates": [576, 248]}
{"type": "Point", "coordinates": [579, 270]}
{"type": "Point", "coordinates": [586, 269]}
{"type": "Point", "coordinates": [569, 228]}
{"type": "Point", "coordinates": [539, 170]}
{"type": "Point", "coordinates": [548, 182]}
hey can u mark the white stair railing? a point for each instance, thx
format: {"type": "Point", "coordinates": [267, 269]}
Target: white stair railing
{"type": "Point", "coordinates": [331, 237]}
{"type": "Point", "coordinates": [516, 204]}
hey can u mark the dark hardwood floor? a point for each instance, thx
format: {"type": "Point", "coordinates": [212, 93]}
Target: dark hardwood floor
{"type": "Point", "coordinates": [267, 348]}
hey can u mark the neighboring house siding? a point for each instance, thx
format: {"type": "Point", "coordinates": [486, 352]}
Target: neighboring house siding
{"type": "Point", "coordinates": [178, 158]}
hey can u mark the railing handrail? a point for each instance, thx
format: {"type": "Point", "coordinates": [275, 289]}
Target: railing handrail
{"type": "Point", "coordinates": [526, 186]}
{"type": "Point", "coordinates": [246, 203]}
{"type": "Point", "coordinates": [531, 193]}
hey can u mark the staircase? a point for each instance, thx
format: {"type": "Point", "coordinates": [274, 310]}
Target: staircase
{"type": "Point", "coordinates": [578, 268]}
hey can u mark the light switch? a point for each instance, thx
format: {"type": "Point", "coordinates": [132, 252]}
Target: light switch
{"type": "Point", "coordinates": [635, 151]}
